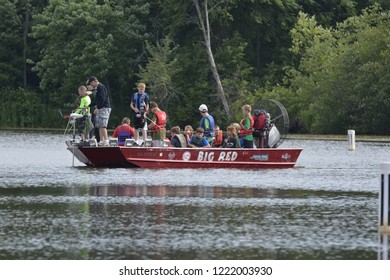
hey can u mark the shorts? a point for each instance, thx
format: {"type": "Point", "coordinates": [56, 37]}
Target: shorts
{"type": "Point", "coordinates": [82, 122]}
{"type": "Point", "coordinates": [140, 123]}
{"type": "Point", "coordinates": [102, 117]}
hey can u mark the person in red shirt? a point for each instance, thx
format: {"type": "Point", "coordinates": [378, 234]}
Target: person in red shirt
{"type": "Point", "coordinates": [123, 132]}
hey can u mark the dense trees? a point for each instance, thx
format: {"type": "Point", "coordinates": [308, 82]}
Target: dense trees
{"type": "Point", "coordinates": [10, 46]}
{"type": "Point", "coordinates": [327, 61]}
{"type": "Point", "coordinates": [340, 81]}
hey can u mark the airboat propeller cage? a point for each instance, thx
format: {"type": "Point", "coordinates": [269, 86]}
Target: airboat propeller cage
{"type": "Point", "coordinates": [279, 122]}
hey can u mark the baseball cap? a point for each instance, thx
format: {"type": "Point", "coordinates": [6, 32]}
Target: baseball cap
{"type": "Point", "coordinates": [203, 108]}
{"type": "Point", "coordinates": [91, 79]}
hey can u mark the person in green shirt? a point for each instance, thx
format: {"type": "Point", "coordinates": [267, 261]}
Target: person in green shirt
{"type": "Point", "coordinates": [246, 127]}
{"type": "Point", "coordinates": [84, 123]}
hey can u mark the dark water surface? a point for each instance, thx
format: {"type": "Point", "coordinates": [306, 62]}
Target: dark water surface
{"type": "Point", "coordinates": [326, 208]}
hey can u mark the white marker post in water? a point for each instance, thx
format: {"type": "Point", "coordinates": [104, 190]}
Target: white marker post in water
{"type": "Point", "coordinates": [351, 140]}
{"type": "Point", "coordinates": [384, 199]}
{"type": "Point", "coordinates": [384, 212]}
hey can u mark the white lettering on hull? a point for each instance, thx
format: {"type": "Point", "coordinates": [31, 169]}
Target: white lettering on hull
{"type": "Point", "coordinates": [206, 156]}
{"type": "Point", "coordinates": [223, 156]}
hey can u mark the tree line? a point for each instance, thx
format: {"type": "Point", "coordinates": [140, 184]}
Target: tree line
{"type": "Point", "coordinates": [326, 60]}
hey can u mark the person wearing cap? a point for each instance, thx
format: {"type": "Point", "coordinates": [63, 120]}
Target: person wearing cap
{"type": "Point", "coordinates": [207, 123]}
{"type": "Point", "coordinates": [103, 109]}
{"type": "Point", "coordinates": [140, 105]}
{"type": "Point", "coordinates": [157, 124]}
{"type": "Point", "coordinates": [177, 139]}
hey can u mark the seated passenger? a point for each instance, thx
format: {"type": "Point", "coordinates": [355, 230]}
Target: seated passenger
{"type": "Point", "coordinates": [123, 132]}
{"type": "Point", "coordinates": [198, 140]}
{"type": "Point", "coordinates": [188, 133]}
{"type": "Point", "coordinates": [177, 139]}
{"type": "Point", "coordinates": [237, 126]}
{"type": "Point", "coordinates": [232, 141]}
{"type": "Point", "coordinates": [218, 137]}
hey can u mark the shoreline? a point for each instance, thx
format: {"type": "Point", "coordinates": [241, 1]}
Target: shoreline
{"type": "Point", "coordinates": [290, 136]}
{"type": "Point", "coordinates": [331, 137]}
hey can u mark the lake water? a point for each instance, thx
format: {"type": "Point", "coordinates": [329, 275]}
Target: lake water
{"type": "Point", "coordinates": [325, 208]}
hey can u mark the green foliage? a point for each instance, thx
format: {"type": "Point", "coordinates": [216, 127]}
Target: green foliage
{"type": "Point", "coordinates": [84, 38]}
{"type": "Point", "coordinates": [329, 12]}
{"type": "Point", "coordinates": [341, 79]}
{"type": "Point", "coordinates": [235, 72]}
{"type": "Point", "coordinates": [161, 68]}
{"type": "Point", "coordinates": [192, 83]}
{"type": "Point", "coordinates": [324, 60]}
{"type": "Point", "coordinates": [20, 108]}
{"type": "Point", "coordinates": [10, 45]}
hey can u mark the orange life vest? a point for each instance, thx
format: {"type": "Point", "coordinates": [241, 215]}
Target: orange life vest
{"type": "Point", "coordinates": [243, 131]}
{"type": "Point", "coordinates": [160, 122]}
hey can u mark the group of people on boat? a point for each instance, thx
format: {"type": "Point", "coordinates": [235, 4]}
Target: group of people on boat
{"type": "Point", "coordinates": [207, 134]}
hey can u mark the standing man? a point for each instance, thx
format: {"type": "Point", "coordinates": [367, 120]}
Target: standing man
{"type": "Point", "coordinates": [157, 125]}
{"type": "Point", "coordinates": [140, 105]}
{"type": "Point", "coordinates": [103, 109]}
{"type": "Point", "coordinates": [207, 123]}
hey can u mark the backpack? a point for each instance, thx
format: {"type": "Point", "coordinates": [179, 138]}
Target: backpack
{"type": "Point", "coordinates": [259, 119]}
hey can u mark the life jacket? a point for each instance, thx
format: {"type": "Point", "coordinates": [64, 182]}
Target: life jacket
{"type": "Point", "coordinates": [244, 131]}
{"type": "Point", "coordinates": [139, 101]}
{"type": "Point", "coordinates": [218, 139]}
{"type": "Point", "coordinates": [123, 134]}
{"type": "Point", "coordinates": [160, 122]}
{"type": "Point", "coordinates": [259, 119]}
{"type": "Point", "coordinates": [210, 131]}
{"type": "Point", "coordinates": [197, 141]}
{"type": "Point", "coordinates": [182, 140]}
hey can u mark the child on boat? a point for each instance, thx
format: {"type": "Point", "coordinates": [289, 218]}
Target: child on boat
{"type": "Point", "coordinates": [198, 140]}
{"type": "Point", "coordinates": [232, 141]}
{"type": "Point", "coordinates": [246, 127]}
{"type": "Point", "coordinates": [85, 124]}
{"type": "Point", "coordinates": [188, 133]}
{"type": "Point", "coordinates": [218, 141]}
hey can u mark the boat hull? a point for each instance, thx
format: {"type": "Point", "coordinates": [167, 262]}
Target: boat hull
{"type": "Point", "coordinates": [100, 156]}
{"type": "Point", "coordinates": [212, 158]}
{"type": "Point", "coordinates": [169, 157]}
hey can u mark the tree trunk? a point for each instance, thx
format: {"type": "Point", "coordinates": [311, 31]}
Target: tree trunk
{"type": "Point", "coordinates": [205, 27]}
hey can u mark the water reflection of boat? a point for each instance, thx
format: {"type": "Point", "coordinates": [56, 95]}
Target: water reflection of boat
{"type": "Point", "coordinates": [169, 157]}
